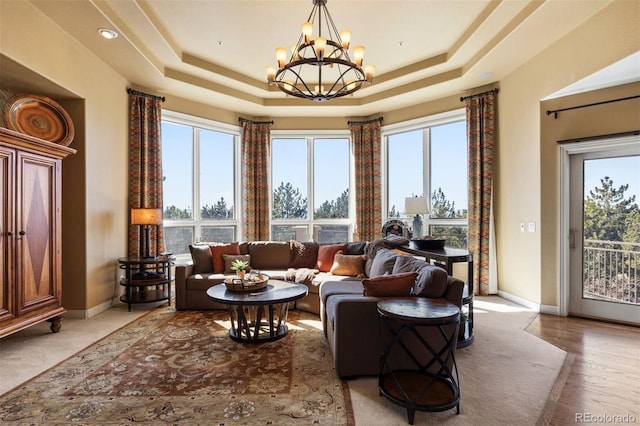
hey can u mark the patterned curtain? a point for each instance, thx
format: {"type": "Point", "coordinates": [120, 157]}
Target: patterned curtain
{"type": "Point", "coordinates": [366, 145]}
{"type": "Point", "coordinates": [256, 151]}
{"type": "Point", "coordinates": [145, 167]}
{"type": "Point", "coordinates": [480, 112]}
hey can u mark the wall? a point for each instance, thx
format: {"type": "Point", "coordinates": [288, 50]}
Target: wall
{"type": "Point", "coordinates": [526, 174]}
{"type": "Point", "coordinates": [95, 179]}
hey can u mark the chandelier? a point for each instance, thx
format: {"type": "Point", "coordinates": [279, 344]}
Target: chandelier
{"type": "Point", "coordinates": [320, 68]}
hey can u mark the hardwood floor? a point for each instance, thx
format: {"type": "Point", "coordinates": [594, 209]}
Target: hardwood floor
{"type": "Point", "coordinates": [600, 381]}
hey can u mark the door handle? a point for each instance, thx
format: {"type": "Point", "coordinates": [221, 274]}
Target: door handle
{"type": "Point", "coordinates": [572, 238]}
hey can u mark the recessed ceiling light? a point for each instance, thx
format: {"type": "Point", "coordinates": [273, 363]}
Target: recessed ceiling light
{"type": "Point", "coordinates": [485, 75]}
{"type": "Point", "coordinates": [108, 34]}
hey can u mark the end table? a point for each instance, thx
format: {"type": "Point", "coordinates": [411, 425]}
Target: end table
{"type": "Point", "coordinates": [146, 279]}
{"type": "Point", "coordinates": [415, 372]}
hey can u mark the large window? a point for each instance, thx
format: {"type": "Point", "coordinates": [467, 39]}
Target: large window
{"type": "Point", "coordinates": [310, 178]}
{"type": "Point", "coordinates": [199, 181]}
{"type": "Point", "coordinates": [429, 158]}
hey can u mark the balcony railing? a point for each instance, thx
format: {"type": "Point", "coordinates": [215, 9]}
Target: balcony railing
{"type": "Point", "coordinates": [610, 271]}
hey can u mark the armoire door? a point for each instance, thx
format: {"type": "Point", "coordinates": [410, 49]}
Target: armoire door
{"type": "Point", "coordinates": [7, 264]}
{"type": "Point", "coordinates": [38, 235]}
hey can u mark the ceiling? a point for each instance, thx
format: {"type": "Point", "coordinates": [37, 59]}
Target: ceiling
{"type": "Point", "coordinates": [215, 52]}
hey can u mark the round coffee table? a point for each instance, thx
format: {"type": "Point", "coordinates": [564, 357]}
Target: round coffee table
{"type": "Point", "coordinates": [259, 316]}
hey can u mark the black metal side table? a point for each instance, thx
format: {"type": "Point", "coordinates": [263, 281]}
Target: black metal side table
{"type": "Point", "coordinates": [417, 366]}
{"type": "Point", "coordinates": [146, 279]}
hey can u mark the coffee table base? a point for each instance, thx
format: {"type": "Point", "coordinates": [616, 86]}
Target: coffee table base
{"type": "Point", "coordinates": [258, 323]}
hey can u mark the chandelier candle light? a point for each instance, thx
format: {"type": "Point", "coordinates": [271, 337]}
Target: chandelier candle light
{"type": "Point", "coordinates": [320, 68]}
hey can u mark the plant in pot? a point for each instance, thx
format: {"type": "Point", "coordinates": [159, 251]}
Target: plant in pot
{"type": "Point", "coordinates": [240, 267]}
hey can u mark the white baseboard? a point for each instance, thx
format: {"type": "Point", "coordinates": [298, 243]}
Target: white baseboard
{"type": "Point", "coordinates": [543, 309]}
{"type": "Point", "coordinates": [88, 313]}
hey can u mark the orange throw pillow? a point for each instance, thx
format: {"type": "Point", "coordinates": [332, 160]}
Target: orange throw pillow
{"type": "Point", "coordinates": [349, 265]}
{"type": "Point", "coordinates": [394, 285]}
{"type": "Point", "coordinates": [326, 253]}
{"type": "Point", "coordinates": [218, 251]}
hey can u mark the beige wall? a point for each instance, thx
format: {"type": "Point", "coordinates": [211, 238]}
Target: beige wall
{"type": "Point", "coordinates": [526, 175]}
{"type": "Point", "coordinates": [95, 179]}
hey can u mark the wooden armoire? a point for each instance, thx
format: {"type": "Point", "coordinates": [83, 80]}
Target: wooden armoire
{"type": "Point", "coordinates": [30, 231]}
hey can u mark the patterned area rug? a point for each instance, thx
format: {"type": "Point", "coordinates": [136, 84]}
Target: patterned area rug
{"type": "Point", "coordinates": [181, 367]}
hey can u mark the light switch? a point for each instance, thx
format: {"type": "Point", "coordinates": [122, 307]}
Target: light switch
{"type": "Point", "coordinates": [532, 227]}
{"type": "Point", "coordinates": [522, 226]}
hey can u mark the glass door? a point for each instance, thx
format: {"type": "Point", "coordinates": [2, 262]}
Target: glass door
{"type": "Point", "coordinates": [604, 240]}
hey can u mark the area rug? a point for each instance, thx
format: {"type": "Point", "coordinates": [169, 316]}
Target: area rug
{"type": "Point", "coordinates": [182, 367]}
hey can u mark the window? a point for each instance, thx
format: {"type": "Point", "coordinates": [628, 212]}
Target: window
{"type": "Point", "coordinates": [199, 181]}
{"type": "Point", "coordinates": [430, 157]}
{"type": "Point", "coordinates": [310, 178]}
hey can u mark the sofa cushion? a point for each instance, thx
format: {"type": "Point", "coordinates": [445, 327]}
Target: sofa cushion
{"type": "Point", "coordinates": [326, 253]}
{"type": "Point", "coordinates": [202, 260]}
{"type": "Point", "coordinates": [382, 262]}
{"type": "Point", "coordinates": [350, 265]}
{"type": "Point", "coordinates": [270, 254]}
{"type": "Point", "coordinates": [230, 258]}
{"type": "Point", "coordinates": [393, 285]}
{"type": "Point", "coordinates": [304, 254]}
{"type": "Point", "coordinates": [431, 281]}
{"type": "Point", "coordinates": [356, 247]}
{"type": "Point", "coordinates": [216, 253]}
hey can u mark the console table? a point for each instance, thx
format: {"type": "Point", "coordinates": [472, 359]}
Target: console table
{"type": "Point", "coordinates": [445, 258]}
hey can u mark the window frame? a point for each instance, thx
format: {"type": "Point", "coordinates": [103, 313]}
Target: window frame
{"type": "Point", "coordinates": [196, 222]}
{"type": "Point", "coordinates": [423, 124]}
{"type": "Point", "coordinates": [310, 221]}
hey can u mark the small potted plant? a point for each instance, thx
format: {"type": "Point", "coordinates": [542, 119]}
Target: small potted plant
{"type": "Point", "coordinates": [240, 267]}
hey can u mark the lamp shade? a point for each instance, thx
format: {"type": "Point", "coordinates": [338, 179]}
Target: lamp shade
{"type": "Point", "coordinates": [146, 216]}
{"type": "Point", "coordinates": [415, 205]}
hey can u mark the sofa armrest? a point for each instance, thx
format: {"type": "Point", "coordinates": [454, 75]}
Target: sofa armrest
{"type": "Point", "coordinates": [182, 272]}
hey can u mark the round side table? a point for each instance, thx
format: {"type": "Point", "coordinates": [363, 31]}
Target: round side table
{"type": "Point", "coordinates": [417, 366]}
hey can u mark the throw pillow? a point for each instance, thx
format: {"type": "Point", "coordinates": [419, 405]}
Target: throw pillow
{"type": "Point", "coordinates": [304, 254]}
{"type": "Point", "coordinates": [201, 256]}
{"type": "Point", "coordinates": [394, 285]}
{"type": "Point", "coordinates": [432, 279]}
{"type": "Point", "coordinates": [382, 262]}
{"type": "Point", "coordinates": [230, 258]}
{"type": "Point", "coordinates": [349, 265]}
{"type": "Point", "coordinates": [218, 251]}
{"type": "Point", "coordinates": [326, 253]}
{"type": "Point", "coordinates": [431, 282]}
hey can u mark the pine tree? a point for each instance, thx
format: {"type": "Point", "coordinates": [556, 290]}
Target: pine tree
{"type": "Point", "coordinates": [288, 203]}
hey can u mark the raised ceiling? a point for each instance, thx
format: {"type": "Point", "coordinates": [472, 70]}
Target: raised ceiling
{"type": "Point", "coordinates": [216, 51]}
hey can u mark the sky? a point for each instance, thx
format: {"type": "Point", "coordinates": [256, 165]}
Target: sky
{"type": "Point", "coordinates": [406, 156]}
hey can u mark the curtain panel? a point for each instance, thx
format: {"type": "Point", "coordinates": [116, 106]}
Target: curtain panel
{"type": "Point", "coordinates": [480, 113]}
{"type": "Point", "coordinates": [256, 151]}
{"type": "Point", "coordinates": [145, 167]}
{"type": "Point", "coordinates": [366, 146]}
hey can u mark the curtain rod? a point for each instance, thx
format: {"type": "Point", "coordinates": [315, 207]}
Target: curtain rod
{"type": "Point", "coordinates": [492, 91]}
{"type": "Point", "coordinates": [373, 120]}
{"type": "Point", "coordinates": [135, 92]}
{"type": "Point", "coordinates": [556, 111]}
{"type": "Point", "coordinates": [246, 120]}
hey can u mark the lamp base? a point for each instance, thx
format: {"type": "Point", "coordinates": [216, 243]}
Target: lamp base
{"type": "Point", "coordinates": [417, 226]}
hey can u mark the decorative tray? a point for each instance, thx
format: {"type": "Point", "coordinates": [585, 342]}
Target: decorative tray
{"type": "Point", "coordinates": [249, 283]}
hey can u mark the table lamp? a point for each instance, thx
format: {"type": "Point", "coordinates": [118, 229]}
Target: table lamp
{"type": "Point", "coordinates": [416, 206]}
{"type": "Point", "coordinates": [145, 218]}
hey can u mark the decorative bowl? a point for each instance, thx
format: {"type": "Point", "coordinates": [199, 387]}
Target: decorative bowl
{"type": "Point", "coordinates": [428, 243]}
{"type": "Point", "coordinates": [249, 283]}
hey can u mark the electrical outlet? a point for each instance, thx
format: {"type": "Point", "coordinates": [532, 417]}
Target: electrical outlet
{"type": "Point", "coordinates": [532, 227]}
{"type": "Point", "coordinates": [522, 227]}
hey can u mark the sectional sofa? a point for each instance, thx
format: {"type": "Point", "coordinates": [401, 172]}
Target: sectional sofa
{"type": "Point", "coordinates": [345, 283]}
